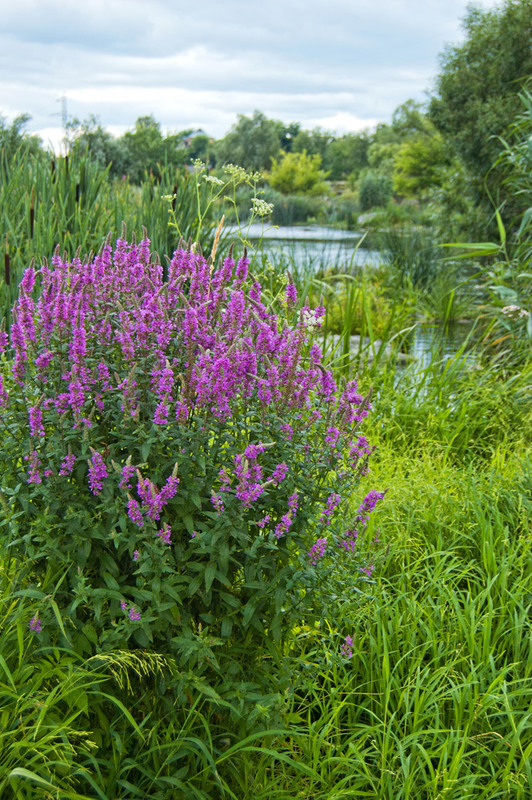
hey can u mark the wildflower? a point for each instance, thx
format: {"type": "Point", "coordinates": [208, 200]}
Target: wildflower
{"type": "Point", "coordinates": [133, 614]}
{"type": "Point", "coordinates": [332, 502]}
{"type": "Point", "coordinates": [35, 624]}
{"type": "Point", "coordinates": [279, 473]}
{"type": "Point", "coordinates": [161, 413]}
{"type": "Point", "coordinates": [283, 526]}
{"type": "Point", "coordinates": [36, 424]}
{"type": "Point", "coordinates": [97, 472]}
{"type": "Point", "coordinates": [291, 294]}
{"type": "Point", "coordinates": [133, 511]}
{"type": "Point", "coordinates": [515, 312]}
{"type": "Point", "coordinates": [3, 394]}
{"type": "Point", "coordinates": [367, 570]}
{"type": "Point", "coordinates": [317, 550]}
{"type": "Point", "coordinates": [165, 533]}
{"type": "Point", "coordinates": [368, 504]}
{"type": "Point", "coordinates": [127, 473]}
{"type": "Point", "coordinates": [217, 502]}
{"type": "Point", "coordinates": [136, 555]}
{"type": "Point", "coordinates": [288, 431]}
{"type": "Point", "coordinates": [264, 521]}
{"type": "Point", "coordinates": [123, 605]}
{"type": "Point", "coordinates": [35, 465]}
{"type": "Point", "coordinates": [347, 647]}
{"type": "Point", "coordinates": [212, 179]}
{"type": "Point", "coordinates": [331, 437]}
{"type": "Point", "coordinates": [260, 208]}
{"type": "Point", "coordinates": [293, 502]}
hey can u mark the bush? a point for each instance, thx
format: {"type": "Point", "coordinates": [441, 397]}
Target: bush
{"type": "Point", "coordinates": [178, 468]}
{"type": "Point", "coordinates": [299, 174]}
{"type": "Point", "coordinates": [375, 190]}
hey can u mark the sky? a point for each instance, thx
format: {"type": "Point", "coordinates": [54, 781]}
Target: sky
{"type": "Point", "coordinates": [342, 65]}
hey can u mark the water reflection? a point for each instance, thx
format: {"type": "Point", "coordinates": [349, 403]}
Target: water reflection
{"type": "Point", "coordinates": [310, 247]}
{"type": "Point", "coordinates": [430, 343]}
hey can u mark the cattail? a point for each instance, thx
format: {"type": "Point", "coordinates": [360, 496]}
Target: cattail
{"type": "Point", "coordinates": [78, 192]}
{"type": "Point", "coordinates": [32, 211]}
{"type": "Point", "coordinates": [7, 270]}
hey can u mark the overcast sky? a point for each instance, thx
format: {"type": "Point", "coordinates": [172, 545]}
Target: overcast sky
{"type": "Point", "coordinates": [343, 65]}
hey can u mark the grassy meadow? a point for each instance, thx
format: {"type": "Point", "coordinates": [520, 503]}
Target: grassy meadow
{"type": "Point", "coordinates": [434, 701]}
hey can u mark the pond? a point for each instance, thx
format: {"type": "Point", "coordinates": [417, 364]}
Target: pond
{"type": "Point", "coordinates": [316, 248]}
{"type": "Point", "coordinates": [438, 342]}
{"type": "Point", "coordinates": [309, 246]}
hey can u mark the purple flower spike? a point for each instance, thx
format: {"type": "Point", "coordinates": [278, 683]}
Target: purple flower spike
{"type": "Point", "coordinates": [317, 551]}
{"type": "Point", "coordinates": [347, 647]}
{"type": "Point", "coordinates": [35, 624]}
{"type": "Point", "coordinates": [97, 472]}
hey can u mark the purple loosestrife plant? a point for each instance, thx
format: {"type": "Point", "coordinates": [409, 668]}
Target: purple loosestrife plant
{"type": "Point", "coordinates": [176, 448]}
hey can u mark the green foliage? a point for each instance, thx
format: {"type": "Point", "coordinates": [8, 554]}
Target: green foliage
{"type": "Point", "coordinates": [44, 701]}
{"type": "Point", "coordinates": [293, 209]}
{"type": "Point", "coordinates": [315, 142]}
{"type": "Point", "coordinates": [251, 143]}
{"type": "Point", "coordinates": [411, 255]}
{"type": "Point", "coordinates": [90, 137]}
{"type": "Point", "coordinates": [477, 91]}
{"type": "Point", "coordinates": [418, 165]}
{"type": "Point", "coordinates": [375, 189]}
{"type": "Point", "coordinates": [347, 155]}
{"type": "Point", "coordinates": [71, 202]}
{"type": "Point", "coordinates": [13, 136]}
{"type": "Point", "coordinates": [298, 173]}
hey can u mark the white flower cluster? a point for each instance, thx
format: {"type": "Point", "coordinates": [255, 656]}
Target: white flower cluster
{"type": "Point", "coordinates": [213, 179]}
{"type": "Point", "coordinates": [309, 319]}
{"type": "Point", "coordinates": [168, 196]}
{"type": "Point", "coordinates": [515, 312]}
{"type": "Point", "coordinates": [239, 174]}
{"type": "Point", "coordinates": [261, 208]}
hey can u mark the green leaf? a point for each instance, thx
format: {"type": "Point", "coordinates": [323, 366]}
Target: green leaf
{"type": "Point", "coordinates": [28, 775]}
{"type": "Point", "coordinates": [249, 610]}
{"type": "Point", "coordinates": [500, 226]}
{"type": "Point", "coordinates": [210, 573]}
{"type": "Point", "coordinates": [474, 249]}
{"type": "Point", "coordinates": [189, 523]}
{"type": "Point", "coordinates": [145, 449]}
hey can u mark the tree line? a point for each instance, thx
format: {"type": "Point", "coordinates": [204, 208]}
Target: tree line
{"type": "Point", "coordinates": [444, 151]}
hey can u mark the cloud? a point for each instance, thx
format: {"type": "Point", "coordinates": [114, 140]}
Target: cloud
{"type": "Point", "coordinates": [199, 65]}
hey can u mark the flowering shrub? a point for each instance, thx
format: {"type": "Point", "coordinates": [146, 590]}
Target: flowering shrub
{"type": "Point", "coordinates": [177, 466]}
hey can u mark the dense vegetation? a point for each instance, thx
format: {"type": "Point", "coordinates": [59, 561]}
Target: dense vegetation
{"type": "Point", "coordinates": [226, 570]}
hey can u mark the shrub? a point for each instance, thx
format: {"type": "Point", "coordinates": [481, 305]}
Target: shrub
{"type": "Point", "coordinates": [299, 174]}
{"type": "Point", "coordinates": [177, 467]}
{"type": "Point", "coordinates": [375, 190]}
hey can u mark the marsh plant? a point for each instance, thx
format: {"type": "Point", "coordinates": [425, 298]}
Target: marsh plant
{"type": "Point", "coordinates": [178, 468]}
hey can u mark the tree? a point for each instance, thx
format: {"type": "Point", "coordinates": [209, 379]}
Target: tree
{"type": "Point", "coordinates": [312, 142]}
{"type": "Point", "coordinates": [298, 173]}
{"type": "Point", "coordinates": [418, 164]}
{"type": "Point", "coordinates": [477, 90]}
{"type": "Point", "coordinates": [144, 147]}
{"type": "Point", "coordinates": [102, 146]}
{"type": "Point", "coordinates": [347, 155]}
{"type": "Point", "coordinates": [251, 143]}
{"type": "Point", "coordinates": [287, 135]}
{"type": "Point", "coordinates": [13, 136]}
